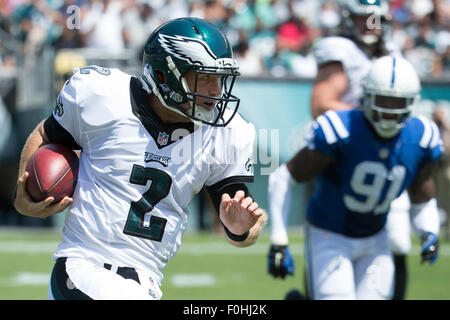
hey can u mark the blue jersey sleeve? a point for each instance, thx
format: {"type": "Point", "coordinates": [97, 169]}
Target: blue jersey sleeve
{"type": "Point", "coordinates": [326, 134]}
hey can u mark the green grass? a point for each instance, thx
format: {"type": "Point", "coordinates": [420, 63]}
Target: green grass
{"type": "Point", "coordinates": [222, 271]}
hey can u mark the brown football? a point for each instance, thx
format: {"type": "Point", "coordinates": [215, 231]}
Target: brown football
{"type": "Point", "coordinates": [53, 171]}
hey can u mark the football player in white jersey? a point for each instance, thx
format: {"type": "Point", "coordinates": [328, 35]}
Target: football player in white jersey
{"type": "Point", "coordinates": [343, 61]}
{"type": "Point", "coordinates": [148, 145]}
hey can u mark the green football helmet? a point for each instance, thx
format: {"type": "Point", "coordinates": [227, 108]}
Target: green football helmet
{"type": "Point", "coordinates": [376, 14]}
{"type": "Point", "coordinates": [185, 44]}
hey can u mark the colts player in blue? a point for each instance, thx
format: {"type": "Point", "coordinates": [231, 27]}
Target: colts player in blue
{"type": "Point", "coordinates": [362, 159]}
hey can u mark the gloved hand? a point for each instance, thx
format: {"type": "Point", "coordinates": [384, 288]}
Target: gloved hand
{"type": "Point", "coordinates": [430, 247]}
{"type": "Point", "coordinates": [281, 262]}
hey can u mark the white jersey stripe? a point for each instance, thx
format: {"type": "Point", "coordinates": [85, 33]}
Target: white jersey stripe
{"type": "Point", "coordinates": [427, 132]}
{"type": "Point", "coordinates": [327, 129]}
{"type": "Point", "coordinates": [435, 140]}
{"type": "Point", "coordinates": [336, 122]}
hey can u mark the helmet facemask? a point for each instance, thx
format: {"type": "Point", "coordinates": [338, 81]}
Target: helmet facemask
{"type": "Point", "coordinates": [387, 114]}
{"type": "Point", "coordinates": [366, 32]}
{"type": "Point", "coordinates": [215, 116]}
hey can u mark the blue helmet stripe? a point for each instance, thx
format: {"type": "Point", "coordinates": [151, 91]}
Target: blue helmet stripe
{"type": "Point", "coordinates": [393, 73]}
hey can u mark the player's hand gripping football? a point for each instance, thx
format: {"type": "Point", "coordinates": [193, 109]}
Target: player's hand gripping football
{"type": "Point", "coordinates": [281, 262]}
{"type": "Point", "coordinates": [26, 206]}
{"type": "Point", "coordinates": [430, 247]}
{"type": "Point", "coordinates": [239, 213]}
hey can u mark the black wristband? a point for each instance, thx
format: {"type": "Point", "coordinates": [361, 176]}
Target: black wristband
{"type": "Point", "coordinates": [235, 237]}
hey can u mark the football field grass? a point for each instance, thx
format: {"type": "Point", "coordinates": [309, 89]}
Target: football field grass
{"type": "Point", "coordinates": [206, 267]}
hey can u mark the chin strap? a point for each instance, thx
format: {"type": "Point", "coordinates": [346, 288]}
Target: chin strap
{"type": "Point", "coordinates": [145, 84]}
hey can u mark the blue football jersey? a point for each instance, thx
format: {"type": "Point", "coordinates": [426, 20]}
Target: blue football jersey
{"type": "Point", "coordinates": [353, 195]}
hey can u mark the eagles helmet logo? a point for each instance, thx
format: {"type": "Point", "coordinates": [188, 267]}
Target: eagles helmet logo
{"type": "Point", "coordinates": [195, 51]}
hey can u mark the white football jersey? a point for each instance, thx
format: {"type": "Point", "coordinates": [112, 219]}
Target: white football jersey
{"type": "Point", "coordinates": [355, 62]}
{"type": "Point", "coordinates": [131, 200]}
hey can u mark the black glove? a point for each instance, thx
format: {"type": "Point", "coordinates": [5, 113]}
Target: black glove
{"type": "Point", "coordinates": [430, 247]}
{"type": "Point", "coordinates": [281, 262]}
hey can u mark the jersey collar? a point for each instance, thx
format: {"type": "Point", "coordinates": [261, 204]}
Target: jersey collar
{"type": "Point", "coordinates": [160, 131]}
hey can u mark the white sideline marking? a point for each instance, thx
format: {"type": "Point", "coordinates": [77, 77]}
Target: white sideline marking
{"type": "Point", "coordinates": [31, 279]}
{"type": "Point", "coordinates": [26, 279]}
{"type": "Point", "coordinates": [27, 247]}
{"type": "Point", "coordinates": [193, 280]}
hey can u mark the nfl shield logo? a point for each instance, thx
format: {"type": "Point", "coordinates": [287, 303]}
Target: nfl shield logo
{"type": "Point", "coordinates": [163, 138]}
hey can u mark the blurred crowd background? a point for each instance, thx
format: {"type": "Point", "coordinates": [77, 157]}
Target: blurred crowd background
{"type": "Point", "coordinates": [270, 38]}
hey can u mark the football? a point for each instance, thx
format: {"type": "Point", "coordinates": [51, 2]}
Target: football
{"type": "Point", "coordinates": [53, 171]}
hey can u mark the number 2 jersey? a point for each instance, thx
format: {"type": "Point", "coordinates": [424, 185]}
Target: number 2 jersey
{"type": "Point", "coordinates": [352, 196]}
{"type": "Point", "coordinates": [137, 174]}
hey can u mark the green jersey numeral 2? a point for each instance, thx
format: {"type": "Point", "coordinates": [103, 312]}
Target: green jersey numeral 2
{"type": "Point", "coordinates": [159, 189]}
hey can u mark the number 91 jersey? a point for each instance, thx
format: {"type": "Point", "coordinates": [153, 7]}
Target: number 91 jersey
{"type": "Point", "coordinates": [353, 195]}
{"type": "Point", "coordinates": [134, 186]}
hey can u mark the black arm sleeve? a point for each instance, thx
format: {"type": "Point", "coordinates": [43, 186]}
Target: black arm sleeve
{"type": "Point", "coordinates": [57, 134]}
{"type": "Point", "coordinates": [231, 186]}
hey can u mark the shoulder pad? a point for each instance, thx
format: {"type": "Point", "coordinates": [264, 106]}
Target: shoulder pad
{"type": "Point", "coordinates": [426, 132]}
{"type": "Point", "coordinates": [331, 49]}
{"type": "Point", "coordinates": [333, 126]}
{"type": "Point", "coordinates": [102, 94]}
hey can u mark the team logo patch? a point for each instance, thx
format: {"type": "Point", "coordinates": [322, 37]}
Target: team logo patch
{"type": "Point", "coordinates": [157, 158]}
{"type": "Point", "coordinates": [58, 109]}
{"type": "Point", "coordinates": [249, 165]}
{"type": "Point", "coordinates": [163, 139]}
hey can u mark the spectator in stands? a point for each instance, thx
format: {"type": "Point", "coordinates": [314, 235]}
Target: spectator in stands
{"type": "Point", "coordinates": [72, 13]}
{"type": "Point", "coordinates": [197, 9]}
{"type": "Point", "coordinates": [138, 20]}
{"type": "Point", "coordinates": [420, 26]}
{"type": "Point", "coordinates": [7, 59]}
{"type": "Point", "coordinates": [172, 9]}
{"type": "Point", "coordinates": [249, 61]}
{"type": "Point", "coordinates": [102, 28]}
{"type": "Point", "coordinates": [329, 19]}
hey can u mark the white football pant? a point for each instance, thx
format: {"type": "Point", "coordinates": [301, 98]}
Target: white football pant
{"type": "Point", "coordinates": [398, 225]}
{"type": "Point", "coordinates": [77, 278]}
{"type": "Point", "coordinates": [341, 268]}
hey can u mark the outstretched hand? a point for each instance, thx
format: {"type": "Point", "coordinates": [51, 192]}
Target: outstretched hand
{"type": "Point", "coordinates": [239, 213]}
